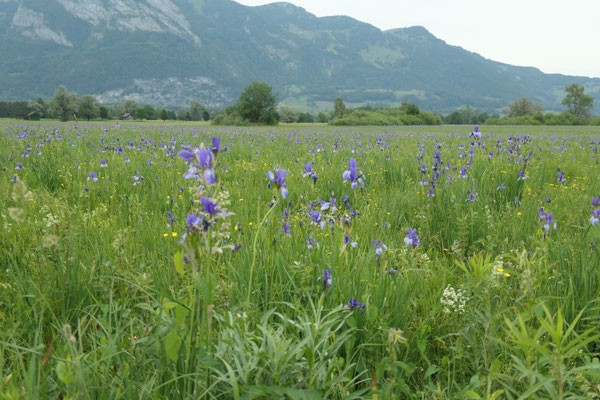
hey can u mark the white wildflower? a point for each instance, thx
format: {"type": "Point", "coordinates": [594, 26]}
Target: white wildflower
{"type": "Point", "coordinates": [453, 301]}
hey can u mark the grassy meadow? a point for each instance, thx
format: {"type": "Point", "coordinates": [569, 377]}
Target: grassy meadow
{"type": "Point", "coordinates": [403, 262]}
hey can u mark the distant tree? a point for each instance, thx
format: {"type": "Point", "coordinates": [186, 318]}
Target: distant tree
{"type": "Point", "coordinates": [288, 115]}
{"type": "Point", "coordinates": [257, 103]}
{"type": "Point", "coordinates": [128, 107]}
{"type": "Point", "coordinates": [306, 117]}
{"type": "Point", "coordinates": [140, 113]}
{"type": "Point", "coordinates": [577, 102]}
{"type": "Point", "coordinates": [205, 115]}
{"type": "Point", "coordinates": [454, 118]}
{"type": "Point", "coordinates": [36, 108]}
{"type": "Point", "coordinates": [321, 117]}
{"type": "Point", "coordinates": [150, 112]}
{"type": "Point", "coordinates": [197, 111]}
{"type": "Point", "coordinates": [465, 115]}
{"type": "Point", "coordinates": [44, 110]}
{"type": "Point", "coordinates": [410, 108]}
{"type": "Point", "coordinates": [164, 115]}
{"type": "Point", "coordinates": [171, 115]}
{"type": "Point", "coordinates": [103, 112]}
{"type": "Point", "coordinates": [524, 106]}
{"type": "Point", "coordinates": [64, 104]}
{"type": "Point", "coordinates": [339, 108]}
{"type": "Point", "coordinates": [182, 114]}
{"type": "Point", "coordinates": [469, 114]}
{"type": "Point", "coordinates": [88, 108]}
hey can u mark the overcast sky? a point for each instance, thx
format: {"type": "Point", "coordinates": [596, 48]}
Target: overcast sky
{"type": "Point", "coordinates": [556, 36]}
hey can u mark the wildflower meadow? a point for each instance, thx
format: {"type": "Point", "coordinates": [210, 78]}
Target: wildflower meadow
{"type": "Point", "coordinates": [310, 262]}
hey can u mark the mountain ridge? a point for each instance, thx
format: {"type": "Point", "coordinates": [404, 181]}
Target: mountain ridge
{"type": "Point", "coordinates": [167, 52]}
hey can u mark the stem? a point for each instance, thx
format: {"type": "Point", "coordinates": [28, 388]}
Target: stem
{"type": "Point", "coordinates": [587, 231]}
{"type": "Point", "coordinates": [254, 254]}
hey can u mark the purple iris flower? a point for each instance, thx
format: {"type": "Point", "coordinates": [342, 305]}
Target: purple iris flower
{"type": "Point", "coordinates": [103, 163]}
{"type": "Point", "coordinates": [522, 176]}
{"type": "Point", "coordinates": [171, 219]}
{"type": "Point", "coordinates": [316, 218]}
{"type": "Point", "coordinates": [209, 176]}
{"type": "Point", "coordinates": [19, 166]}
{"type": "Point", "coordinates": [327, 279]}
{"type": "Point", "coordinates": [137, 178]}
{"type": "Point", "coordinates": [472, 196]}
{"type": "Point", "coordinates": [286, 228]}
{"type": "Point", "coordinates": [476, 133]}
{"type": "Point", "coordinates": [546, 219]}
{"type": "Point", "coordinates": [186, 155]}
{"type": "Point", "coordinates": [561, 176]}
{"type": "Point", "coordinates": [216, 146]}
{"type": "Point", "coordinates": [209, 206]}
{"type": "Point", "coordinates": [595, 217]}
{"type": "Point", "coordinates": [278, 178]}
{"type": "Point", "coordinates": [204, 157]}
{"type": "Point", "coordinates": [380, 247]}
{"type": "Point", "coordinates": [347, 240]}
{"type": "Point", "coordinates": [411, 238]}
{"type": "Point", "coordinates": [308, 171]}
{"type": "Point", "coordinates": [193, 223]}
{"type": "Point", "coordinates": [329, 205]}
{"type": "Point", "coordinates": [463, 172]}
{"type": "Point", "coordinates": [14, 178]}
{"type": "Point", "coordinates": [595, 201]}
{"type": "Point", "coordinates": [353, 175]}
{"type": "Point", "coordinates": [199, 159]}
{"type": "Point", "coordinates": [500, 187]}
{"type": "Point", "coordinates": [93, 177]}
{"type": "Point", "coordinates": [353, 303]}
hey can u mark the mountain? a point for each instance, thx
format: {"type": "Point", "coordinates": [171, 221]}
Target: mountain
{"type": "Point", "coordinates": [166, 52]}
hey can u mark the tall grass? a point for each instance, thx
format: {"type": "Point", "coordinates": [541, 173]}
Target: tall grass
{"type": "Point", "coordinates": [98, 298]}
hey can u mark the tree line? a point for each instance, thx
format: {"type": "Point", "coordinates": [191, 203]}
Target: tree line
{"type": "Point", "coordinates": [522, 111]}
{"type": "Point", "coordinates": [66, 106]}
{"type": "Point", "coordinates": [258, 105]}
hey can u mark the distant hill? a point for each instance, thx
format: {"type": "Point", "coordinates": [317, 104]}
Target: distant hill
{"type": "Point", "coordinates": [166, 52]}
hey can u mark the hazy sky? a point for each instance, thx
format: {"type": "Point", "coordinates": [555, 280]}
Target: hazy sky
{"type": "Point", "coordinates": [556, 36]}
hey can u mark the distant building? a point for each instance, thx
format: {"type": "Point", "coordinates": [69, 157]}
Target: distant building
{"type": "Point", "coordinates": [127, 117]}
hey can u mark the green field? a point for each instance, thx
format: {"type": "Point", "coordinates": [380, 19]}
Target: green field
{"type": "Point", "coordinates": [101, 298]}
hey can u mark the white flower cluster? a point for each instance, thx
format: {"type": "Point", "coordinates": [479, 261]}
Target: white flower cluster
{"type": "Point", "coordinates": [96, 212]}
{"type": "Point", "coordinates": [454, 301]}
{"type": "Point", "coordinates": [51, 220]}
